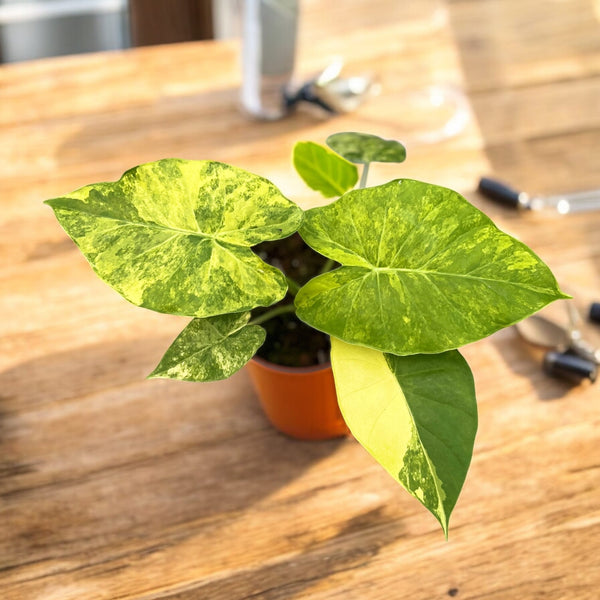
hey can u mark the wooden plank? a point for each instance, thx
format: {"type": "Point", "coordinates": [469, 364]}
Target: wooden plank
{"type": "Point", "coordinates": [114, 487]}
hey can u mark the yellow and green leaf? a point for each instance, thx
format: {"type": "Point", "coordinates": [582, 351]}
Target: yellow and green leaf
{"type": "Point", "coordinates": [323, 170]}
{"type": "Point", "coordinates": [416, 415]}
{"type": "Point", "coordinates": [423, 271]}
{"type": "Point", "coordinates": [175, 235]}
{"type": "Point", "coordinates": [211, 349]}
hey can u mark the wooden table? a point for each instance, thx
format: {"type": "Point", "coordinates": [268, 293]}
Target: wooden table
{"type": "Point", "coordinates": [112, 486]}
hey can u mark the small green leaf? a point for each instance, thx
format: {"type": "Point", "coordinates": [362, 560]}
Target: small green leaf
{"type": "Point", "coordinates": [416, 415]}
{"type": "Point", "coordinates": [366, 148]}
{"type": "Point", "coordinates": [211, 349]}
{"type": "Point", "coordinates": [423, 271]}
{"type": "Point", "coordinates": [323, 170]}
{"type": "Point", "coordinates": [175, 235]}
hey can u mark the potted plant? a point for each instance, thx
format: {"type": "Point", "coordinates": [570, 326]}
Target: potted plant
{"type": "Point", "coordinates": [397, 277]}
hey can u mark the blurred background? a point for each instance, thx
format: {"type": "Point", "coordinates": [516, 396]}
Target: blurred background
{"type": "Point", "coordinates": [31, 29]}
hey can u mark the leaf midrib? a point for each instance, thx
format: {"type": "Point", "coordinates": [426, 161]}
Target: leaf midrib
{"type": "Point", "coordinates": [416, 432]}
{"type": "Point", "coordinates": [328, 178]}
{"type": "Point", "coordinates": [427, 273]}
{"type": "Point", "coordinates": [431, 467]}
{"type": "Point", "coordinates": [160, 227]}
{"type": "Point", "coordinates": [202, 348]}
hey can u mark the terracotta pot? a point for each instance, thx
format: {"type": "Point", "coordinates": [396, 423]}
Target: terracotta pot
{"type": "Point", "coordinates": [298, 401]}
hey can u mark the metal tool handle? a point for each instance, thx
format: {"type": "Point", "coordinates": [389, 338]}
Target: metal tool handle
{"type": "Point", "coordinates": [501, 193]}
{"type": "Point", "coordinates": [595, 312]}
{"type": "Point", "coordinates": [572, 203]}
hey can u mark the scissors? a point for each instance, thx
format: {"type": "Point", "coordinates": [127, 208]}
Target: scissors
{"type": "Point", "coordinates": [572, 357]}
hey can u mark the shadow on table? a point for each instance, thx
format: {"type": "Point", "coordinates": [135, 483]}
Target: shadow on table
{"type": "Point", "coordinates": [354, 546]}
{"type": "Point", "coordinates": [526, 360]}
{"type": "Point", "coordinates": [94, 455]}
{"type": "Point", "coordinates": [207, 126]}
{"type": "Point", "coordinates": [518, 67]}
{"type": "Point", "coordinates": [512, 65]}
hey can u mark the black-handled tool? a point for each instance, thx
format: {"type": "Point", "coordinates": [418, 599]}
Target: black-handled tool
{"type": "Point", "coordinates": [570, 366]}
{"type": "Point", "coordinates": [595, 312]}
{"type": "Point", "coordinates": [571, 357]}
{"type": "Point", "coordinates": [502, 193]}
{"type": "Point", "coordinates": [562, 203]}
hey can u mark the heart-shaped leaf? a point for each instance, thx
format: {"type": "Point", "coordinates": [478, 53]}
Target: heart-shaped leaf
{"type": "Point", "coordinates": [175, 235]}
{"type": "Point", "coordinates": [423, 271]}
{"type": "Point", "coordinates": [416, 415]}
{"type": "Point", "coordinates": [211, 349]}
{"type": "Point", "coordinates": [323, 170]}
{"type": "Point", "coordinates": [366, 148]}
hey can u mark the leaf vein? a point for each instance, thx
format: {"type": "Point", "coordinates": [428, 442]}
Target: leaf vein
{"type": "Point", "coordinates": [155, 246]}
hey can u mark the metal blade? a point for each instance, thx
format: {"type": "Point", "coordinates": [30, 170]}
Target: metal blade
{"type": "Point", "coordinates": [540, 331]}
{"type": "Point", "coordinates": [573, 202]}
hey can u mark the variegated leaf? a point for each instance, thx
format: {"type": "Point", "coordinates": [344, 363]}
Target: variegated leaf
{"type": "Point", "coordinates": [423, 271]}
{"type": "Point", "coordinates": [175, 235]}
{"type": "Point", "coordinates": [416, 415]}
{"type": "Point", "coordinates": [211, 349]}
{"type": "Point", "coordinates": [366, 148]}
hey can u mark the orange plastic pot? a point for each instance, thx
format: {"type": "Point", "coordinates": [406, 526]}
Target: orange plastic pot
{"type": "Point", "coordinates": [298, 401]}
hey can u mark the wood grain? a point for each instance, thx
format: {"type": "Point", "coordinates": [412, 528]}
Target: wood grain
{"type": "Point", "coordinates": [117, 487]}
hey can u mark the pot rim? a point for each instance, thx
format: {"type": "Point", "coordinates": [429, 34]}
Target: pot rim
{"type": "Point", "coordinates": [291, 370]}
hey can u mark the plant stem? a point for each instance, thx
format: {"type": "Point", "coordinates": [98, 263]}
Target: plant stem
{"type": "Point", "coordinates": [327, 266]}
{"type": "Point", "coordinates": [363, 177]}
{"type": "Point", "coordinates": [293, 286]}
{"type": "Point", "coordinates": [274, 312]}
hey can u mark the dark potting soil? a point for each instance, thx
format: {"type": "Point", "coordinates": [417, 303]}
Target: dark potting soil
{"type": "Point", "coordinates": [290, 342]}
